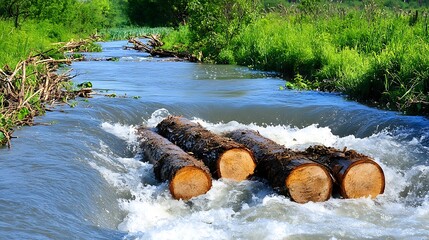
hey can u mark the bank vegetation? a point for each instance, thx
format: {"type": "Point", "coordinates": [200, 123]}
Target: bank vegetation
{"type": "Point", "coordinates": [371, 52]}
{"type": "Point", "coordinates": [34, 35]}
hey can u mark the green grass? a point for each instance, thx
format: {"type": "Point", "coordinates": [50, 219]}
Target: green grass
{"type": "Point", "coordinates": [30, 38]}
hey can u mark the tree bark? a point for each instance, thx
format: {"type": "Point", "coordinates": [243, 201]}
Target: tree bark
{"type": "Point", "coordinates": [187, 176]}
{"type": "Point", "coordinates": [357, 175]}
{"type": "Point", "coordinates": [224, 157]}
{"type": "Point", "coordinates": [291, 174]}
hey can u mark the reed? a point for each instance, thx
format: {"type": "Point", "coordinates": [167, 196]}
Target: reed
{"type": "Point", "coordinates": [131, 32]}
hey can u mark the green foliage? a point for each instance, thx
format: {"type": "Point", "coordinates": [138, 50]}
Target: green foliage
{"type": "Point", "coordinates": [214, 24]}
{"type": "Point", "coordinates": [30, 38]}
{"type": "Point", "coordinates": [81, 16]}
{"type": "Point", "coordinates": [178, 40]}
{"type": "Point", "coordinates": [299, 83]}
{"type": "Point", "coordinates": [157, 13]}
{"type": "Point", "coordinates": [85, 85]}
{"type": "Point", "coordinates": [23, 113]}
{"type": "Point", "coordinates": [2, 138]}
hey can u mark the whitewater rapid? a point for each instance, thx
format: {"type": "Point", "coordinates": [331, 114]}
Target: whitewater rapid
{"type": "Point", "coordinates": [252, 210]}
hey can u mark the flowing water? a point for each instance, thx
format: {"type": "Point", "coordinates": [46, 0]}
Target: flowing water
{"type": "Point", "coordinates": [81, 178]}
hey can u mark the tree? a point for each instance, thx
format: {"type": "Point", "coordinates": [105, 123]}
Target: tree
{"type": "Point", "coordinates": [15, 9]}
{"type": "Point", "coordinates": [215, 22]}
{"type": "Point", "coordinates": [157, 12]}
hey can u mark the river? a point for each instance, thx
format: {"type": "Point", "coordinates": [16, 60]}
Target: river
{"type": "Point", "coordinates": [78, 174]}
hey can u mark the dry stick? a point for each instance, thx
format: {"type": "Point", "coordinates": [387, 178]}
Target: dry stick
{"type": "Point", "coordinates": [357, 175]}
{"type": "Point", "coordinates": [187, 176]}
{"type": "Point", "coordinates": [224, 157]}
{"type": "Point", "coordinates": [17, 68]}
{"type": "Point", "coordinates": [29, 98]}
{"type": "Point", "coordinates": [16, 97]}
{"type": "Point", "coordinates": [46, 88]}
{"type": "Point", "coordinates": [2, 72]}
{"type": "Point", "coordinates": [10, 78]}
{"type": "Point", "coordinates": [292, 174]}
{"type": "Point", "coordinates": [23, 78]}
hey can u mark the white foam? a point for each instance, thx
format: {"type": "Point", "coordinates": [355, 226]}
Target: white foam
{"type": "Point", "coordinates": [124, 132]}
{"type": "Point", "coordinates": [252, 210]}
{"type": "Point", "coordinates": [157, 117]}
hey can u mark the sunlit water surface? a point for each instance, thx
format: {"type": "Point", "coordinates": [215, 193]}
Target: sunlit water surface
{"type": "Point", "coordinates": [81, 178]}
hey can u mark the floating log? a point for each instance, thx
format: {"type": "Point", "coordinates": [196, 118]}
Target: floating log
{"type": "Point", "coordinates": [187, 176]}
{"type": "Point", "coordinates": [357, 175]}
{"type": "Point", "coordinates": [292, 174]}
{"type": "Point", "coordinates": [224, 157]}
{"type": "Point", "coordinates": [153, 49]}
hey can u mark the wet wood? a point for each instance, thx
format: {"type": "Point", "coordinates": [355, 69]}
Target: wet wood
{"type": "Point", "coordinates": [153, 49]}
{"type": "Point", "coordinates": [224, 157]}
{"type": "Point", "coordinates": [187, 176]}
{"type": "Point", "coordinates": [290, 173]}
{"type": "Point", "coordinates": [357, 175]}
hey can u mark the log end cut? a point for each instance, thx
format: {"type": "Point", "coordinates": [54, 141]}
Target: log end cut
{"type": "Point", "coordinates": [190, 182]}
{"type": "Point", "coordinates": [237, 164]}
{"type": "Point", "coordinates": [363, 178]}
{"type": "Point", "coordinates": [309, 182]}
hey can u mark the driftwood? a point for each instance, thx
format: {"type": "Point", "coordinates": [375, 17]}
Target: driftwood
{"type": "Point", "coordinates": [32, 80]}
{"type": "Point", "coordinates": [292, 174]}
{"type": "Point", "coordinates": [154, 40]}
{"type": "Point", "coordinates": [187, 176]}
{"type": "Point", "coordinates": [78, 45]}
{"type": "Point", "coordinates": [224, 157]}
{"type": "Point", "coordinates": [153, 49]}
{"type": "Point", "coordinates": [357, 175]}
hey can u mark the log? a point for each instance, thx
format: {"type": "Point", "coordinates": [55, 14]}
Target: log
{"type": "Point", "coordinates": [153, 49]}
{"type": "Point", "coordinates": [187, 176]}
{"type": "Point", "coordinates": [224, 157]}
{"type": "Point", "coordinates": [357, 175]}
{"type": "Point", "coordinates": [292, 174]}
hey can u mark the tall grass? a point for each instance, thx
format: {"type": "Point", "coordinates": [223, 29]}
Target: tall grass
{"type": "Point", "coordinates": [18, 43]}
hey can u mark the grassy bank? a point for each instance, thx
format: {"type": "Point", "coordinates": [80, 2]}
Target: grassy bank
{"type": "Point", "coordinates": [29, 55]}
{"type": "Point", "coordinates": [28, 79]}
{"type": "Point", "coordinates": [383, 59]}
{"type": "Point", "coordinates": [373, 54]}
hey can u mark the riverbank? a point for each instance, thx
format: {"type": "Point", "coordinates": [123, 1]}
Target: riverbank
{"type": "Point", "coordinates": [29, 79]}
{"type": "Point", "coordinates": [375, 55]}
{"type": "Point", "coordinates": [30, 57]}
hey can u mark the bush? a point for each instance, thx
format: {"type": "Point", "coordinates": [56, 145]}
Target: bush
{"type": "Point", "coordinates": [214, 24]}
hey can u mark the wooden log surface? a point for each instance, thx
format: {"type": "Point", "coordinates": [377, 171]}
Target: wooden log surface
{"type": "Point", "coordinates": [357, 175]}
{"type": "Point", "coordinates": [187, 176]}
{"type": "Point", "coordinates": [224, 157]}
{"type": "Point", "coordinates": [292, 174]}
